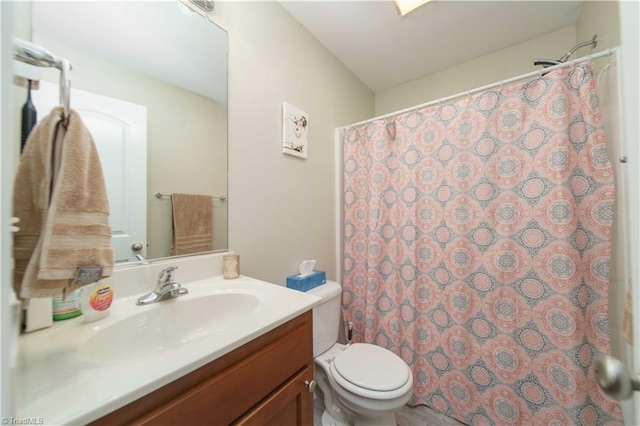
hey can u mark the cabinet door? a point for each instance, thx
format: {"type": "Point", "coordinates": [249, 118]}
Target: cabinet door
{"type": "Point", "coordinates": [291, 404]}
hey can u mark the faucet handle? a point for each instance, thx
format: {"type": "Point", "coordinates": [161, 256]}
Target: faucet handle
{"type": "Point", "coordinates": [169, 275]}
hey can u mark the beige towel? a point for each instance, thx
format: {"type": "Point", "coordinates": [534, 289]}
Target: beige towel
{"type": "Point", "coordinates": [60, 197]}
{"type": "Point", "coordinates": [192, 223]}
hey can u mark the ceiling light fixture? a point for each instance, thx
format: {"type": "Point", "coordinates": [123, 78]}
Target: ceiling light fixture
{"type": "Point", "coordinates": [186, 6]}
{"type": "Point", "coordinates": [404, 7]}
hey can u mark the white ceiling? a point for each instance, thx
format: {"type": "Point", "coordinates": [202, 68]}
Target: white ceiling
{"type": "Point", "coordinates": [150, 37]}
{"type": "Point", "coordinates": [385, 50]}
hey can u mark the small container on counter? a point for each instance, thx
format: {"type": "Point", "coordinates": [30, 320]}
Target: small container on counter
{"type": "Point", "coordinates": [67, 308]}
{"type": "Point", "coordinates": [96, 300]}
{"type": "Point", "coordinates": [231, 266]}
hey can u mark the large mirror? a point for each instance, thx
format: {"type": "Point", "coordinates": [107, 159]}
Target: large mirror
{"type": "Point", "coordinates": [149, 80]}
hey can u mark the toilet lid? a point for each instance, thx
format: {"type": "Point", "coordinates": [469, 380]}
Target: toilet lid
{"type": "Point", "coordinates": [372, 367]}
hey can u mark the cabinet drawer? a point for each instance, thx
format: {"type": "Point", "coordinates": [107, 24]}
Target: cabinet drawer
{"type": "Point", "coordinates": [226, 396]}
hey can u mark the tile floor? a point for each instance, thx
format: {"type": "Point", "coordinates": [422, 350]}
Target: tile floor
{"type": "Point", "coordinates": [407, 416]}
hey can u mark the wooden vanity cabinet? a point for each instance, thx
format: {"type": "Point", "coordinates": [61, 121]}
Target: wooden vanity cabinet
{"type": "Point", "coordinates": [260, 383]}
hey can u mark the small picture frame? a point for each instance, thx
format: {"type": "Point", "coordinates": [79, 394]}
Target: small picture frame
{"type": "Point", "coordinates": [295, 128]}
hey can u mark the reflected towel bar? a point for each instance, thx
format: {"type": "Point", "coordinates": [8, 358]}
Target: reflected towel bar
{"type": "Point", "coordinates": [34, 54]}
{"type": "Point", "coordinates": [160, 195]}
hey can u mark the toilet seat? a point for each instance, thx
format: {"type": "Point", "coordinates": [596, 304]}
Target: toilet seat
{"type": "Point", "coordinates": [371, 371]}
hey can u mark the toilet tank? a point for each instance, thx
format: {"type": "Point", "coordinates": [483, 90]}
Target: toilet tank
{"type": "Point", "coordinates": [326, 316]}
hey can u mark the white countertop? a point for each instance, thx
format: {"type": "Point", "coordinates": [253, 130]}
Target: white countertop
{"type": "Point", "coordinates": [56, 381]}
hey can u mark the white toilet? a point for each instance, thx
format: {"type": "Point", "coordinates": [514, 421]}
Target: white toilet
{"type": "Point", "coordinates": [363, 384]}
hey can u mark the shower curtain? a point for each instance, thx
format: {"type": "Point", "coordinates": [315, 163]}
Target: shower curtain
{"type": "Point", "coordinates": [477, 248]}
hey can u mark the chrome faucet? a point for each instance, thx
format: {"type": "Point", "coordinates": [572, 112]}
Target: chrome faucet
{"type": "Point", "coordinates": [166, 288]}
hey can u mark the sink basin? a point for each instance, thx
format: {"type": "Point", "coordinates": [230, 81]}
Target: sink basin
{"type": "Point", "coordinates": [168, 324]}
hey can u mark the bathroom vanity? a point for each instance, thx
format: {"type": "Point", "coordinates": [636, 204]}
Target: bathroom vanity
{"type": "Point", "coordinates": [265, 381]}
{"type": "Point", "coordinates": [228, 352]}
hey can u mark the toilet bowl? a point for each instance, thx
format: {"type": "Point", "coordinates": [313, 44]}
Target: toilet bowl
{"type": "Point", "coordinates": [366, 394]}
{"type": "Point", "coordinates": [363, 384]}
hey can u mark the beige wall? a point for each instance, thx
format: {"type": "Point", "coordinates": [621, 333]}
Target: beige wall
{"type": "Point", "coordinates": [599, 18]}
{"type": "Point", "coordinates": [281, 208]}
{"type": "Point", "coordinates": [186, 138]}
{"type": "Point", "coordinates": [496, 66]}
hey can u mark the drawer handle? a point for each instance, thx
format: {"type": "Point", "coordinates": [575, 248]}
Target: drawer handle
{"type": "Point", "coordinates": [311, 385]}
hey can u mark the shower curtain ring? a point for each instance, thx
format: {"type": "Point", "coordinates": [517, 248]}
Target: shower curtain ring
{"type": "Point", "coordinates": [387, 117]}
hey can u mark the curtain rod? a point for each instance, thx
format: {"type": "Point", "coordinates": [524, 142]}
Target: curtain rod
{"type": "Point", "coordinates": [539, 72]}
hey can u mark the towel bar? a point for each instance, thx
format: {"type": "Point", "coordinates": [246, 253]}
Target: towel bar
{"type": "Point", "coordinates": [221, 197]}
{"type": "Point", "coordinates": [34, 54]}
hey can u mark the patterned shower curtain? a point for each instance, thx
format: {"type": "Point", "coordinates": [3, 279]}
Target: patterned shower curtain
{"type": "Point", "coordinates": [477, 248]}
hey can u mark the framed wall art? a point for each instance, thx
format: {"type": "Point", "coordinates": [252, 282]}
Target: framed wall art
{"type": "Point", "coordinates": [295, 127]}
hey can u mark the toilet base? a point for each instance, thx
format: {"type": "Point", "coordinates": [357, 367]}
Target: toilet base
{"type": "Point", "coordinates": [327, 420]}
{"type": "Point", "coordinates": [388, 419]}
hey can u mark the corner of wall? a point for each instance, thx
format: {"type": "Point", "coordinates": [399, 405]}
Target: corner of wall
{"type": "Point", "coordinates": [599, 18]}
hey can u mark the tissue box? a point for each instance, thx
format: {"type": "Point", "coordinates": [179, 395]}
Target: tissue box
{"type": "Point", "coordinates": [308, 282]}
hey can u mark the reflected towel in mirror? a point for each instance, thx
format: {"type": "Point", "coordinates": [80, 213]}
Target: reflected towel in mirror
{"type": "Point", "coordinates": [192, 223]}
